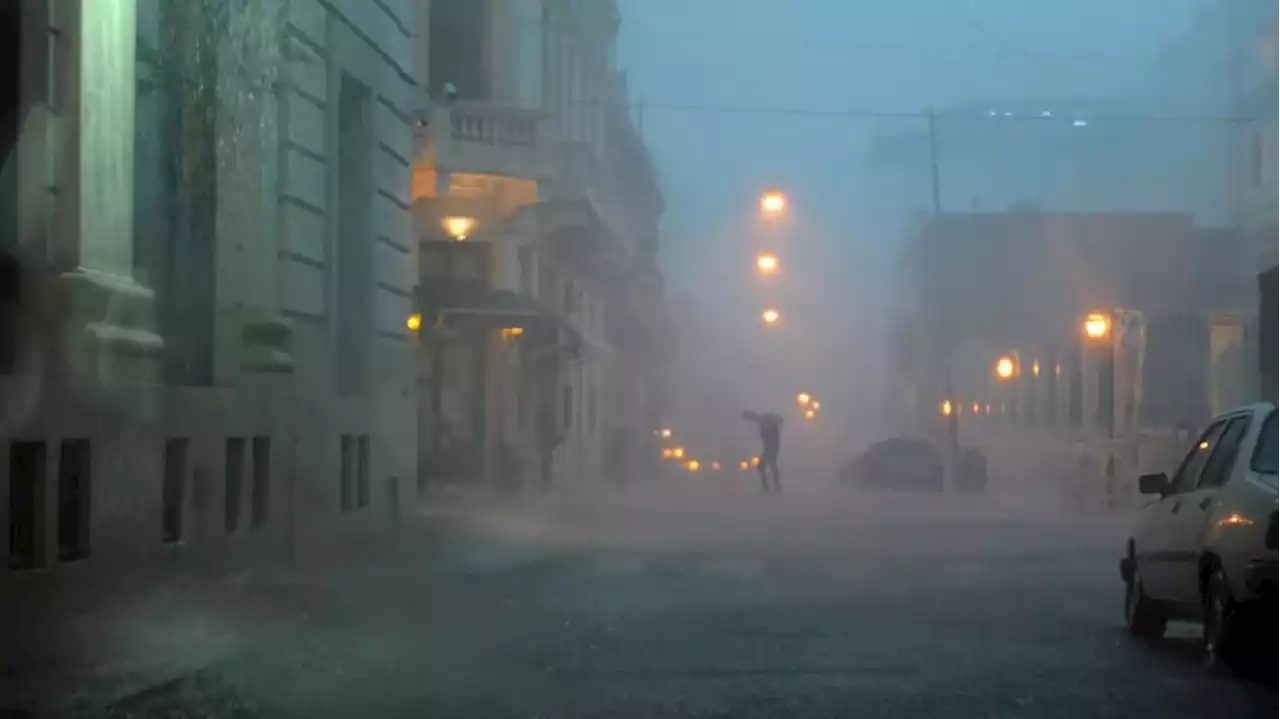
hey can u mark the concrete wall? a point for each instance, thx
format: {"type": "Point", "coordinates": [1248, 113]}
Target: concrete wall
{"type": "Point", "coordinates": [371, 42]}
{"type": "Point", "coordinates": [277, 243]}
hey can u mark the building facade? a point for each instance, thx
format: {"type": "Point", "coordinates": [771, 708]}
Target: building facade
{"type": "Point", "coordinates": [214, 253]}
{"type": "Point", "coordinates": [537, 211]}
{"type": "Point", "coordinates": [1175, 347]}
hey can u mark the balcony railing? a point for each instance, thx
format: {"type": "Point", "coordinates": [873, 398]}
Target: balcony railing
{"type": "Point", "coordinates": [490, 139]}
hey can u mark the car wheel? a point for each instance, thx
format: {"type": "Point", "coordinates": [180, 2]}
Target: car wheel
{"type": "Point", "coordinates": [1141, 615]}
{"type": "Point", "coordinates": [1223, 636]}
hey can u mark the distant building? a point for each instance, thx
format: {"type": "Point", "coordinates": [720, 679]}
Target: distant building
{"type": "Point", "coordinates": [536, 210]}
{"type": "Point", "coordinates": [1021, 284]}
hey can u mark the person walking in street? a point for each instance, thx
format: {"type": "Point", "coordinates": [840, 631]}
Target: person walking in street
{"type": "Point", "coordinates": [548, 440]}
{"type": "Point", "coordinates": [771, 438]}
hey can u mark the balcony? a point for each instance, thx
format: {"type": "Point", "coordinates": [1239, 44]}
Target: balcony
{"type": "Point", "coordinates": [489, 139]}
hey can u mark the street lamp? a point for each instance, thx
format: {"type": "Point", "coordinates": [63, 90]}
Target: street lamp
{"type": "Point", "coordinates": [803, 399]}
{"type": "Point", "coordinates": [1096, 326]}
{"type": "Point", "coordinates": [767, 263]}
{"type": "Point", "coordinates": [770, 316]}
{"type": "Point", "coordinates": [458, 227]}
{"type": "Point", "coordinates": [678, 453]}
{"type": "Point", "coordinates": [1004, 368]}
{"type": "Point", "coordinates": [414, 322]}
{"type": "Point", "coordinates": [810, 414]}
{"type": "Point", "coordinates": [773, 204]}
{"type": "Point", "coordinates": [945, 408]}
{"type": "Point", "coordinates": [665, 433]}
{"type": "Point", "coordinates": [1097, 329]}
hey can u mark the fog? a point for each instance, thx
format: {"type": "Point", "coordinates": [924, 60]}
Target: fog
{"type": "Point", "coordinates": [433, 357]}
{"type": "Point", "coordinates": [825, 101]}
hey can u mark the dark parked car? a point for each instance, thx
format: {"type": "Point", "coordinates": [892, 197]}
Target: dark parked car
{"type": "Point", "coordinates": [899, 463]}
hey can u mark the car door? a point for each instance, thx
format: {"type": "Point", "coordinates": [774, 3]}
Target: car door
{"type": "Point", "coordinates": [1190, 513]}
{"type": "Point", "coordinates": [1156, 549]}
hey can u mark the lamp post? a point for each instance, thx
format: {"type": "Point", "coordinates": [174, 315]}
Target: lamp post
{"type": "Point", "coordinates": [1097, 329]}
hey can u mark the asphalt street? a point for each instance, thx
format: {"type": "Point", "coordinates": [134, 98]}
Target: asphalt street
{"type": "Point", "coordinates": [723, 604]}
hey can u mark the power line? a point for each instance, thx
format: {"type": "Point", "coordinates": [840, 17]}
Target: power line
{"type": "Point", "coordinates": [966, 51]}
{"type": "Point", "coordinates": [1080, 119]}
{"type": "Point", "coordinates": [1011, 47]}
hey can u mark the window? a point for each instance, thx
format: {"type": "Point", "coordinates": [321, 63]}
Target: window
{"type": "Point", "coordinates": [525, 257]}
{"type": "Point", "coordinates": [1264, 453]}
{"type": "Point", "coordinates": [235, 483]}
{"type": "Point", "coordinates": [354, 250]}
{"type": "Point", "coordinates": [362, 471]}
{"type": "Point", "coordinates": [260, 511]}
{"type": "Point", "coordinates": [468, 262]}
{"type": "Point", "coordinates": [1188, 475]}
{"type": "Point", "coordinates": [434, 259]}
{"type": "Point", "coordinates": [73, 500]}
{"type": "Point", "coordinates": [547, 281]}
{"type": "Point", "coordinates": [1218, 469]}
{"type": "Point", "coordinates": [26, 504]}
{"type": "Point", "coordinates": [346, 473]}
{"type": "Point", "coordinates": [173, 489]}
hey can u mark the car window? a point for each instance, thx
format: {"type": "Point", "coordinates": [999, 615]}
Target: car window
{"type": "Point", "coordinates": [1264, 453]}
{"type": "Point", "coordinates": [1185, 479]}
{"type": "Point", "coordinates": [1223, 458]}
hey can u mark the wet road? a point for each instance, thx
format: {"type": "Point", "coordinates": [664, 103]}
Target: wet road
{"type": "Point", "coordinates": [724, 606]}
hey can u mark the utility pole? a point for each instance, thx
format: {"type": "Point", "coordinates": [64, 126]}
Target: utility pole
{"type": "Point", "coordinates": [952, 419]}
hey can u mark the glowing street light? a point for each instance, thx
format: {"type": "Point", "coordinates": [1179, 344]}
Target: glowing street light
{"type": "Point", "coordinates": [413, 322]}
{"type": "Point", "coordinates": [1096, 326]}
{"type": "Point", "coordinates": [744, 465]}
{"type": "Point", "coordinates": [773, 204]}
{"type": "Point", "coordinates": [694, 465]}
{"type": "Point", "coordinates": [458, 227]}
{"type": "Point", "coordinates": [668, 453]}
{"type": "Point", "coordinates": [767, 263]}
{"type": "Point", "coordinates": [976, 408]}
{"type": "Point", "coordinates": [945, 408]}
{"type": "Point", "coordinates": [665, 433]}
{"type": "Point", "coordinates": [1004, 367]}
{"type": "Point", "coordinates": [803, 399]}
{"type": "Point", "coordinates": [816, 405]}
{"type": "Point", "coordinates": [678, 453]}
{"type": "Point", "coordinates": [715, 466]}
{"type": "Point", "coordinates": [771, 316]}
{"type": "Point", "coordinates": [810, 414]}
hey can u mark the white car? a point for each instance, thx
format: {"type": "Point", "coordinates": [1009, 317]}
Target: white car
{"type": "Point", "coordinates": [1205, 548]}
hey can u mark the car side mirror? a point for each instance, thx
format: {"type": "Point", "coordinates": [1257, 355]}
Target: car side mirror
{"type": "Point", "coordinates": [1157, 483]}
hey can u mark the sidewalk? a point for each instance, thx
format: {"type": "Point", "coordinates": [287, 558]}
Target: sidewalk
{"type": "Point", "coordinates": [90, 652]}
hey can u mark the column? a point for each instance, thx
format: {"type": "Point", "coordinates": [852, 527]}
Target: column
{"type": "Point", "coordinates": [110, 316]}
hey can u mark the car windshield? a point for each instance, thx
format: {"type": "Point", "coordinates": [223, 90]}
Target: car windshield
{"type": "Point", "coordinates": [1264, 453]}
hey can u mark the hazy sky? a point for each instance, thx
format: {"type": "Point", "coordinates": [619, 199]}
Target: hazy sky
{"type": "Point", "coordinates": [881, 55]}
{"type": "Point", "coordinates": [714, 74]}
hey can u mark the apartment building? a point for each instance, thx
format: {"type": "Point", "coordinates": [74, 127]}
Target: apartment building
{"type": "Point", "coordinates": [537, 211]}
{"type": "Point", "coordinates": [213, 240]}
